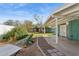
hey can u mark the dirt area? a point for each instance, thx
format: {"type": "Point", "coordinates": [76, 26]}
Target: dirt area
{"type": "Point", "coordinates": [2, 43]}
{"type": "Point", "coordinates": [30, 51]}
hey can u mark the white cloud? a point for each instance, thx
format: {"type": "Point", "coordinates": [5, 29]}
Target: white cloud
{"type": "Point", "coordinates": [44, 8]}
{"type": "Point", "coordinates": [20, 5]}
{"type": "Point", "coordinates": [23, 15]}
{"type": "Point", "coordinates": [14, 5]}
{"type": "Point", "coordinates": [17, 15]}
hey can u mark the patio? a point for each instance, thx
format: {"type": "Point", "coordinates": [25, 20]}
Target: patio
{"type": "Point", "coordinates": [68, 47]}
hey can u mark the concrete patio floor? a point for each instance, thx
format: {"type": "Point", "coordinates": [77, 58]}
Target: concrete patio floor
{"type": "Point", "coordinates": [68, 47]}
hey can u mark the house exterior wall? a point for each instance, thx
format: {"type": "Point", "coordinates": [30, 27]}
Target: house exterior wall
{"type": "Point", "coordinates": [66, 15]}
{"type": "Point", "coordinates": [73, 30]}
{"type": "Point", "coordinates": [69, 17]}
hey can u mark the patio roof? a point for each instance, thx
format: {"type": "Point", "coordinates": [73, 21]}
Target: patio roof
{"type": "Point", "coordinates": [8, 50]}
{"type": "Point", "coordinates": [67, 5]}
{"type": "Point", "coordinates": [65, 10]}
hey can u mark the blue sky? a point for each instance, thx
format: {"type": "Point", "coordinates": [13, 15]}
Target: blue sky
{"type": "Point", "coordinates": [26, 11]}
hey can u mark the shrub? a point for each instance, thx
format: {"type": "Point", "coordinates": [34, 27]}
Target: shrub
{"type": "Point", "coordinates": [29, 40]}
{"type": "Point", "coordinates": [17, 32]}
{"type": "Point", "coordinates": [21, 37]}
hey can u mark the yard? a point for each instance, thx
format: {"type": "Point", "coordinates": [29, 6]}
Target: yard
{"type": "Point", "coordinates": [42, 35]}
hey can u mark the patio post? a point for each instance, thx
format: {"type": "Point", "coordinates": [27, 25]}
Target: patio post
{"type": "Point", "coordinates": [56, 30]}
{"type": "Point", "coordinates": [44, 29]}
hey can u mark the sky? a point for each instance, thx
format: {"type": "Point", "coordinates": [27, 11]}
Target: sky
{"type": "Point", "coordinates": [26, 11]}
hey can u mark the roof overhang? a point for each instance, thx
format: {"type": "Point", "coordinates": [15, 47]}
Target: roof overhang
{"type": "Point", "coordinates": [63, 7]}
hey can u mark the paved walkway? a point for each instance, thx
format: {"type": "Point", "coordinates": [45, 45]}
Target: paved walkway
{"type": "Point", "coordinates": [48, 49]}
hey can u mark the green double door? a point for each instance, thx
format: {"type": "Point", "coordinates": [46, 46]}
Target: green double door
{"type": "Point", "coordinates": [73, 30]}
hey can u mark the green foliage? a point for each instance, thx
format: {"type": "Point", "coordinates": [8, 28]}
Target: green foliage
{"type": "Point", "coordinates": [17, 32]}
{"type": "Point", "coordinates": [29, 40]}
{"type": "Point", "coordinates": [12, 22]}
{"type": "Point", "coordinates": [27, 25]}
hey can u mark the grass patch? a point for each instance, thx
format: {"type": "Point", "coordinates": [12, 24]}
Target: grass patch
{"type": "Point", "coordinates": [42, 35]}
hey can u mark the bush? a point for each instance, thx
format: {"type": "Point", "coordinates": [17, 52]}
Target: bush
{"type": "Point", "coordinates": [29, 40]}
{"type": "Point", "coordinates": [21, 37]}
{"type": "Point", "coordinates": [17, 32]}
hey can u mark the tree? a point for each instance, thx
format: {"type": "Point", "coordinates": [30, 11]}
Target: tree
{"type": "Point", "coordinates": [39, 22]}
{"type": "Point", "coordinates": [12, 23]}
{"type": "Point", "coordinates": [15, 34]}
{"type": "Point", "coordinates": [8, 22]}
{"type": "Point", "coordinates": [28, 25]}
{"type": "Point", "coordinates": [16, 23]}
